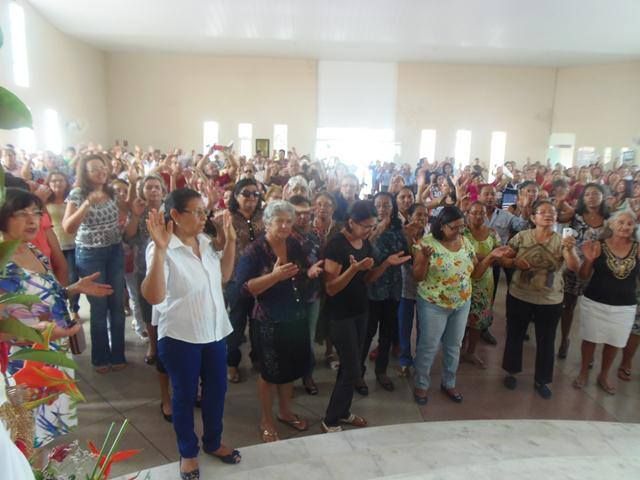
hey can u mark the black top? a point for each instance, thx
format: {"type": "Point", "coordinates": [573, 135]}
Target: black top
{"type": "Point", "coordinates": [351, 300]}
{"type": "Point", "coordinates": [614, 279]}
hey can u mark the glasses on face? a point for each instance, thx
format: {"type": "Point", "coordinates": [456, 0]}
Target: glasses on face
{"type": "Point", "coordinates": [198, 212]}
{"type": "Point", "coordinates": [249, 194]}
{"type": "Point", "coordinates": [23, 214]}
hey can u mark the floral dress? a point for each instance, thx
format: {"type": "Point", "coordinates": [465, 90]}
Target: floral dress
{"type": "Point", "coordinates": [480, 313]}
{"type": "Point", "coordinates": [59, 417]}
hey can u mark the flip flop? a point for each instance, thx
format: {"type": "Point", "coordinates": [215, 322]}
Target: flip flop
{"type": "Point", "coordinates": [624, 374]}
{"type": "Point", "coordinates": [297, 423]}
{"type": "Point", "coordinates": [610, 390]}
{"type": "Point", "coordinates": [578, 383]}
{"type": "Point", "coordinates": [233, 377]}
{"type": "Point", "coordinates": [268, 436]}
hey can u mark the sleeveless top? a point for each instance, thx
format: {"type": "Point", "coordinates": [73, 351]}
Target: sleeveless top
{"type": "Point", "coordinates": [614, 279]}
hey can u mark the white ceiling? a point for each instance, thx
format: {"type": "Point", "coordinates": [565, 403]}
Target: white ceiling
{"type": "Point", "coordinates": [532, 32]}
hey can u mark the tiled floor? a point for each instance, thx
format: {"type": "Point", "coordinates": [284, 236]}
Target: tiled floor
{"type": "Point", "coordinates": [133, 393]}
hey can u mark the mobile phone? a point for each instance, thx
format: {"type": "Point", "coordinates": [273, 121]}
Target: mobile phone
{"type": "Point", "coordinates": [509, 197]}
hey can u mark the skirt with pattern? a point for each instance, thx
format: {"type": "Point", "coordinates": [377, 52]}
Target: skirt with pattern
{"type": "Point", "coordinates": [283, 349]}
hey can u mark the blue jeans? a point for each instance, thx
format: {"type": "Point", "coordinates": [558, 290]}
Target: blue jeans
{"type": "Point", "coordinates": [107, 313]}
{"type": "Point", "coordinates": [406, 312]}
{"type": "Point", "coordinates": [70, 257]}
{"type": "Point", "coordinates": [187, 364]}
{"type": "Point", "coordinates": [439, 325]}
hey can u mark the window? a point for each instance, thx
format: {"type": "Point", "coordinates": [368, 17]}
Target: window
{"type": "Point", "coordinates": [498, 149]}
{"type": "Point", "coordinates": [52, 136]}
{"type": "Point", "coordinates": [606, 157]}
{"type": "Point", "coordinates": [210, 134]}
{"type": "Point", "coordinates": [279, 138]}
{"type": "Point", "coordinates": [462, 153]}
{"type": "Point", "coordinates": [428, 144]}
{"type": "Point", "coordinates": [245, 132]}
{"type": "Point", "coordinates": [18, 45]}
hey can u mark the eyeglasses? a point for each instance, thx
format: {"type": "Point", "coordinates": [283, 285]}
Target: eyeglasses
{"type": "Point", "coordinates": [26, 213]}
{"type": "Point", "coordinates": [249, 194]}
{"type": "Point", "coordinates": [198, 212]}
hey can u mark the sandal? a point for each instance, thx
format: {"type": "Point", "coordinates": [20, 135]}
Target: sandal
{"type": "Point", "coordinates": [150, 359]}
{"type": "Point", "coordinates": [310, 386]}
{"type": "Point", "coordinates": [233, 458]}
{"type": "Point", "coordinates": [332, 361]}
{"type": "Point", "coordinates": [233, 375]}
{"type": "Point", "coordinates": [103, 369]}
{"type": "Point", "coordinates": [624, 374]}
{"type": "Point", "coordinates": [297, 423]}
{"type": "Point", "coordinates": [404, 372]}
{"type": "Point", "coordinates": [385, 382]}
{"type": "Point", "coordinates": [473, 359]}
{"type": "Point", "coordinates": [578, 383]}
{"type": "Point", "coordinates": [192, 475]}
{"type": "Point", "coordinates": [268, 436]}
{"type": "Point", "coordinates": [607, 388]}
{"type": "Point", "coordinates": [118, 367]}
{"type": "Point", "coordinates": [354, 420]}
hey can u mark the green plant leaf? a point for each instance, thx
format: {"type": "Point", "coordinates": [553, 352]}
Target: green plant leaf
{"type": "Point", "coordinates": [19, 298]}
{"type": "Point", "coordinates": [50, 357]}
{"type": "Point", "coordinates": [6, 251]}
{"type": "Point", "coordinates": [16, 328]}
{"type": "Point", "coordinates": [13, 112]}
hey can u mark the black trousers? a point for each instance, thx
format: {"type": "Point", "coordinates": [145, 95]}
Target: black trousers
{"type": "Point", "coordinates": [508, 272]}
{"type": "Point", "coordinates": [239, 314]}
{"type": "Point", "coordinates": [383, 314]}
{"type": "Point", "coordinates": [347, 335]}
{"type": "Point", "coordinates": [545, 319]}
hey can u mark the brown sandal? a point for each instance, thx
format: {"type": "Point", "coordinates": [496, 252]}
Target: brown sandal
{"type": "Point", "coordinates": [233, 376]}
{"type": "Point", "coordinates": [624, 374]}
{"type": "Point", "coordinates": [268, 436]}
{"type": "Point", "coordinates": [297, 423]}
{"type": "Point", "coordinates": [354, 420]}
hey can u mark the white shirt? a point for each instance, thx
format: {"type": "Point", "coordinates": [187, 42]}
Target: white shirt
{"type": "Point", "coordinates": [193, 309]}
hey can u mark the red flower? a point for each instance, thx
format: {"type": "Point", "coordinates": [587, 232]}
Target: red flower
{"type": "Point", "coordinates": [60, 452]}
{"type": "Point", "coordinates": [4, 356]}
{"type": "Point", "coordinates": [22, 446]}
{"type": "Point", "coordinates": [115, 458]}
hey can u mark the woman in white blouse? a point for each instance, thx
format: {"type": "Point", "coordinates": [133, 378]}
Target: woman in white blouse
{"type": "Point", "coordinates": [184, 283]}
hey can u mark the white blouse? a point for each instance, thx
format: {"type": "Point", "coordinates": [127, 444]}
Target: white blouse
{"type": "Point", "coordinates": [193, 310]}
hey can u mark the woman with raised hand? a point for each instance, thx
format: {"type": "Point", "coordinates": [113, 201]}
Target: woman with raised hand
{"type": "Point", "coordinates": [444, 265]}
{"type": "Point", "coordinates": [535, 295]}
{"type": "Point", "coordinates": [349, 267]}
{"type": "Point", "coordinates": [607, 308]}
{"type": "Point", "coordinates": [184, 283]}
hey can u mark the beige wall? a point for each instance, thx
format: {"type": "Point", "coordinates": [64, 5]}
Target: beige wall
{"type": "Point", "coordinates": [65, 75]}
{"type": "Point", "coordinates": [600, 104]}
{"type": "Point", "coordinates": [163, 100]}
{"type": "Point", "coordinates": [517, 100]}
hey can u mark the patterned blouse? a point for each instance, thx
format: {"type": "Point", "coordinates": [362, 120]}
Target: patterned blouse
{"type": "Point", "coordinates": [448, 280]}
{"type": "Point", "coordinates": [389, 285]}
{"type": "Point", "coordinates": [99, 228]}
{"type": "Point", "coordinates": [246, 230]}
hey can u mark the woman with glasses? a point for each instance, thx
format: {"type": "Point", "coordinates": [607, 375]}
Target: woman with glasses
{"type": "Point", "coordinates": [275, 271]}
{"type": "Point", "coordinates": [184, 283]}
{"type": "Point", "coordinates": [246, 216]}
{"type": "Point", "coordinates": [92, 215]}
{"type": "Point", "coordinates": [444, 264]}
{"type": "Point", "coordinates": [539, 256]}
{"type": "Point", "coordinates": [349, 266]}
{"type": "Point", "coordinates": [28, 272]}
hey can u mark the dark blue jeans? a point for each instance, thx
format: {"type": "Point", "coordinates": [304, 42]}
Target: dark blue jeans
{"type": "Point", "coordinates": [406, 314]}
{"type": "Point", "coordinates": [107, 313]}
{"type": "Point", "coordinates": [187, 364]}
{"type": "Point", "coordinates": [70, 257]}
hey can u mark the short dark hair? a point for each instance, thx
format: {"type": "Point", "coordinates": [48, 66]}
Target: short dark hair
{"type": "Point", "coordinates": [361, 210]}
{"type": "Point", "coordinates": [395, 220]}
{"type": "Point", "coordinates": [528, 183]}
{"type": "Point", "coordinates": [603, 210]}
{"type": "Point", "coordinates": [66, 179]}
{"type": "Point", "coordinates": [447, 215]}
{"type": "Point", "coordinates": [245, 182]}
{"type": "Point", "coordinates": [178, 200]}
{"type": "Point", "coordinates": [299, 200]}
{"type": "Point", "coordinates": [16, 199]}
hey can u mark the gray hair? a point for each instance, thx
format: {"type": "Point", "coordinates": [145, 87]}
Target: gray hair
{"type": "Point", "coordinates": [298, 181]}
{"type": "Point", "coordinates": [275, 208]}
{"type": "Point", "coordinates": [615, 216]}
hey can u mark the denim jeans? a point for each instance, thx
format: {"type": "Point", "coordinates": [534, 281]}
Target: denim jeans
{"type": "Point", "coordinates": [70, 257]}
{"type": "Point", "coordinates": [188, 365]}
{"type": "Point", "coordinates": [406, 313]}
{"type": "Point", "coordinates": [107, 313]}
{"type": "Point", "coordinates": [313, 313]}
{"type": "Point", "coordinates": [439, 325]}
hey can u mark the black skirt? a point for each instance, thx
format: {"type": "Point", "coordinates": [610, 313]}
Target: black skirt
{"type": "Point", "coordinates": [283, 349]}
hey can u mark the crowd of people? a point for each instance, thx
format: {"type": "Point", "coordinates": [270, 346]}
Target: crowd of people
{"type": "Point", "coordinates": [208, 251]}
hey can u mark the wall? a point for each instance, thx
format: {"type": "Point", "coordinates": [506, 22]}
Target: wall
{"type": "Point", "coordinates": [600, 104]}
{"type": "Point", "coordinates": [517, 100]}
{"type": "Point", "coordinates": [163, 100]}
{"type": "Point", "coordinates": [65, 74]}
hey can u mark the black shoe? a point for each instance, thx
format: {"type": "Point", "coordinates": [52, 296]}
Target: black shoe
{"type": "Point", "coordinates": [543, 390]}
{"type": "Point", "coordinates": [564, 348]}
{"type": "Point", "coordinates": [361, 388]}
{"type": "Point", "coordinates": [510, 382]}
{"type": "Point", "coordinates": [488, 337]}
{"type": "Point", "coordinates": [167, 417]}
{"type": "Point", "coordinates": [385, 382]}
{"type": "Point", "coordinates": [456, 397]}
{"type": "Point", "coordinates": [420, 400]}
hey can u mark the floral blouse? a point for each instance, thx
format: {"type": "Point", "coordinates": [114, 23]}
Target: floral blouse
{"type": "Point", "coordinates": [52, 305]}
{"type": "Point", "coordinates": [389, 285]}
{"type": "Point", "coordinates": [448, 280]}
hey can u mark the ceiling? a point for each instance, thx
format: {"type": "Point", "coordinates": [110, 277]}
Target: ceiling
{"type": "Point", "coordinates": [519, 32]}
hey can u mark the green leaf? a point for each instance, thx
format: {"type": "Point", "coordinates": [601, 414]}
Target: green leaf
{"type": "Point", "coordinates": [6, 252]}
{"type": "Point", "coordinates": [19, 298]}
{"type": "Point", "coordinates": [16, 328]}
{"type": "Point", "coordinates": [13, 112]}
{"type": "Point", "coordinates": [50, 357]}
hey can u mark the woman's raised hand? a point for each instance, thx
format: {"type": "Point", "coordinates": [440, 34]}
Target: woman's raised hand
{"type": "Point", "coordinates": [591, 250]}
{"type": "Point", "coordinates": [284, 271]}
{"type": "Point", "coordinates": [397, 258]}
{"type": "Point", "coordinates": [365, 264]}
{"type": "Point", "coordinates": [159, 232]}
{"type": "Point", "coordinates": [227, 227]}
